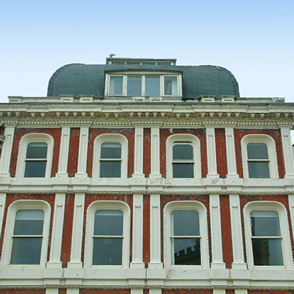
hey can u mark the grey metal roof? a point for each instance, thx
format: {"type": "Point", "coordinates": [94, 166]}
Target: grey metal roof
{"type": "Point", "coordinates": [89, 79]}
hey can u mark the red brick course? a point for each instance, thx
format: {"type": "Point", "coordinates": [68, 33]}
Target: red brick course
{"type": "Point", "coordinates": [73, 154]}
{"type": "Point", "coordinates": [221, 153]}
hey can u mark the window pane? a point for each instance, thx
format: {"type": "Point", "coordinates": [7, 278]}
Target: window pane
{"type": "Point", "coordinates": [258, 169]}
{"type": "Point", "coordinates": [111, 150]}
{"type": "Point", "coordinates": [152, 86]}
{"type": "Point", "coordinates": [185, 223]}
{"type": "Point", "coordinates": [183, 170]}
{"type": "Point", "coordinates": [186, 251]}
{"type": "Point", "coordinates": [267, 252]}
{"type": "Point", "coordinates": [170, 85]}
{"type": "Point", "coordinates": [107, 251]}
{"type": "Point", "coordinates": [29, 222]}
{"type": "Point", "coordinates": [37, 150]}
{"type": "Point", "coordinates": [35, 169]}
{"type": "Point", "coordinates": [26, 251]}
{"type": "Point", "coordinates": [134, 86]}
{"type": "Point", "coordinates": [183, 151]}
{"type": "Point", "coordinates": [108, 223]}
{"type": "Point", "coordinates": [257, 151]}
{"type": "Point", "coordinates": [265, 223]}
{"type": "Point", "coordinates": [116, 85]}
{"type": "Point", "coordinates": [110, 169]}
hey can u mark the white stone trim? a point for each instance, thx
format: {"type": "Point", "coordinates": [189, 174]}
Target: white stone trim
{"type": "Point", "coordinates": [216, 232]}
{"type": "Point", "coordinates": [155, 232]}
{"type": "Point", "coordinates": [83, 152]}
{"type": "Point", "coordinates": [272, 153]}
{"type": "Point", "coordinates": [291, 209]}
{"type": "Point", "coordinates": [6, 152]}
{"type": "Point", "coordinates": [211, 153]}
{"type": "Point", "coordinates": [137, 248]}
{"type": "Point", "coordinates": [139, 153]}
{"type": "Point", "coordinates": [285, 233]}
{"type": "Point", "coordinates": [2, 209]}
{"type": "Point", "coordinates": [9, 227]}
{"type": "Point", "coordinates": [155, 153]}
{"type": "Point", "coordinates": [288, 152]}
{"type": "Point", "coordinates": [196, 151]}
{"type": "Point", "coordinates": [57, 231]}
{"type": "Point", "coordinates": [185, 205]}
{"type": "Point", "coordinates": [97, 151]}
{"type": "Point", "coordinates": [107, 204]}
{"type": "Point", "coordinates": [23, 144]}
{"type": "Point", "coordinates": [231, 153]}
{"type": "Point", "coordinates": [77, 231]}
{"type": "Point", "coordinates": [236, 231]}
{"type": "Point", "coordinates": [63, 154]}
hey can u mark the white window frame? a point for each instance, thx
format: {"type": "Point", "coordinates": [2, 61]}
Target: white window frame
{"type": "Point", "coordinates": [181, 139]}
{"type": "Point", "coordinates": [108, 205]}
{"type": "Point", "coordinates": [284, 227]}
{"type": "Point", "coordinates": [204, 251]}
{"type": "Point", "coordinates": [114, 138]}
{"type": "Point", "coordinates": [272, 154]}
{"type": "Point", "coordinates": [143, 75]}
{"type": "Point", "coordinates": [9, 228]}
{"type": "Point", "coordinates": [23, 145]}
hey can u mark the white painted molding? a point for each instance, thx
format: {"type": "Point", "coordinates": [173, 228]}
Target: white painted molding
{"type": "Point", "coordinates": [57, 231]}
{"type": "Point", "coordinates": [211, 153]}
{"type": "Point", "coordinates": [288, 152]}
{"type": "Point", "coordinates": [6, 152]}
{"type": "Point", "coordinates": [155, 153]}
{"type": "Point", "coordinates": [139, 153]}
{"type": "Point", "coordinates": [137, 248]}
{"type": "Point", "coordinates": [137, 291]}
{"type": "Point", "coordinates": [231, 153]}
{"type": "Point", "coordinates": [83, 152]}
{"type": "Point", "coordinates": [155, 232]}
{"type": "Point", "coordinates": [77, 232]}
{"type": "Point", "coordinates": [52, 290]}
{"type": "Point", "coordinates": [241, 291]}
{"type": "Point", "coordinates": [155, 291]}
{"type": "Point", "coordinates": [219, 291]}
{"type": "Point", "coordinates": [216, 232]}
{"type": "Point", "coordinates": [63, 154]}
{"type": "Point", "coordinates": [236, 231]}
{"type": "Point", "coordinates": [291, 209]}
{"type": "Point", "coordinates": [2, 209]}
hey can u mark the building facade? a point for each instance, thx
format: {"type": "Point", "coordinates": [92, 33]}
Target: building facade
{"type": "Point", "coordinates": [140, 176]}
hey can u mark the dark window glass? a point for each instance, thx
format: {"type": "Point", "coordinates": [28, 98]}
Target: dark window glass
{"type": "Point", "coordinates": [185, 237]}
{"type": "Point", "coordinates": [170, 85]}
{"type": "Point", "coordinates": [110, 160]}
{"type": "Point", "coordinates": [27, 236]}
{"type": "Point", "coordinates": [108, 237]}
{"type": "Point", "coordinates": [134, 86]}
{"type": "Point", "coordinates": [116, 85]}
{"type": "Point", "coordinates": [152, 86]}
{"type": "Point", "coordinates": [183, 161]}
{"type": "Point", "coordinates": [266, 238]}
{"type": "Point", "coordinates": [257, 151]}
{"type": "Point", "coordinates": [36, 160]}
{"type": "Point", "coordinates": [183, 151]}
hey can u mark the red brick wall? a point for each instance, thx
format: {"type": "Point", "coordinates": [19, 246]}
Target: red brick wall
{"type": "Point", "coordinates": [275, 134]}
{"type": "Point", "coordinates": [13, 197]}
{"type": "Point", "coordinates": [200, 133]}
{"type": "Point", "coordinates": [270, 291]}
{"type": "Point", "coordinates": [19, 133]}
{"type": "Point", "coordinates": [22, 291]}
{"type": "Point", "coordinates": [73, 152]}
{"type": "Point", "coordinates": [221, 153]}
{"type": "Point", "coordinates": [128, 133]}
{"type": "Point", "coordinates": [226, 230]}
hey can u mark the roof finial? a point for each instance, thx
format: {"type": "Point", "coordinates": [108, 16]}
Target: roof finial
{"type": "Point", "coordinates": [111, 55]}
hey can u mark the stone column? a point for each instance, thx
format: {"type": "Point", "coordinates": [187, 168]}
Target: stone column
{"type": "Point", "coordinates": [288, 152]}
{"type": "Point", "coordinates": [6, 152]}
{"type": "Point", "coordinates": [83, 152]}
{"type": "Point", "coordinates": [63, 155]}
{"type": "Point", "coordinates": [211, 153]}
{"type": "Point", "coordinates": [231, 153]}
{"type": "Point", "coordinates": [139, 149]}
{"type": "Point", "coordinates": [155, 153]}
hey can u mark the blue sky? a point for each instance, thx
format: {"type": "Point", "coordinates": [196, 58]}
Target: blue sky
{"type": "Point", "coordinates": [254, 39]}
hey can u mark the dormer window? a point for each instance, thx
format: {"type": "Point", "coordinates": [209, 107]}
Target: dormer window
{"type": "Point", "coordinates": [147, 85]}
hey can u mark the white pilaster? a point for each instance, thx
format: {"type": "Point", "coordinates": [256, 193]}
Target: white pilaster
{"type": "Point", "coordinates": [139, 149]}
{"type": "Point", "coordinates": [291, 209]}
{"type": "Point", "coordinates": [137, 248]}
{"type": "Point", "coordinates": [63, 155]}
{"type": "Point", "coordinates": [57, 231]}
{"type": "Point", "coordinates": [219, 291]}
{"type": "Point", "coordinates": [155, 153]}
{"type": "Point", "coordinates": [236, 230]}
{"type": "Point", "coordinates": [2, 208]}
{"type": "Point", "coordinates": [241, 291]}
{"type": "Point", "coordinates": [6, 151]}
{"type": "Point", "coordinates": [288, 153]}
{"type": "Point", "coordinates": [231, 153]}
{"type": "Point", "coordinates": [77, 231]}
{"type": "Point", "coordinates": [155, 232]}
{"type": "Point", "coordinates": [52, 291]}
{"type": "Point", "coordinates": [216, 233]}
{"type": "Point", "coordinates": [211, 153]}
{"type": "Point", "coordinates": [72, 291]}
{"type": "Point", "coordinates": [155, 291]}
{"type": "Point", "coordinates": [83, 152]}
{"type": "Point", "coordinates": [137, 291]}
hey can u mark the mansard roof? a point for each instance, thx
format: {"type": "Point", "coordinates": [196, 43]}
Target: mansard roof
{"type": "Point", "coordinates": [89, 79]}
